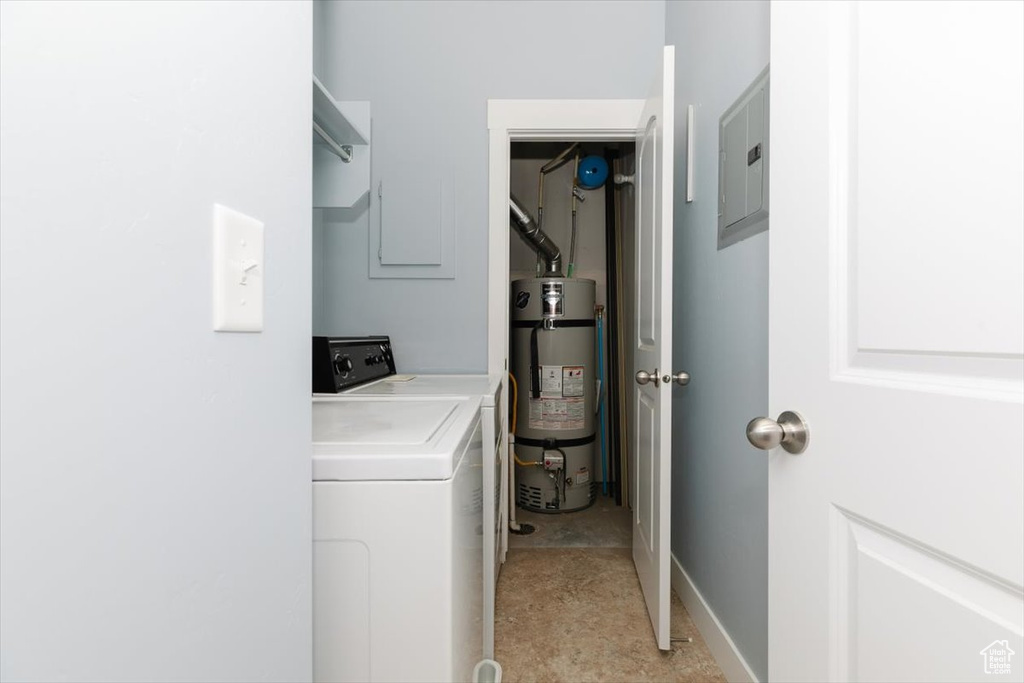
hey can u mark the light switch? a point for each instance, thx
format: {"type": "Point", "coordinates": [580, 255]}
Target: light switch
{"type": "Point", "coordinates": [237, 271]}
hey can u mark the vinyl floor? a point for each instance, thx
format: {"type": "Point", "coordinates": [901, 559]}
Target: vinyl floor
{"type": "Point", "coordinates": [570, 609]}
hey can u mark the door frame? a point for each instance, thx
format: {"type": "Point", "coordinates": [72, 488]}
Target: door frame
{"type": "Point", "coordinates": [524, 120]}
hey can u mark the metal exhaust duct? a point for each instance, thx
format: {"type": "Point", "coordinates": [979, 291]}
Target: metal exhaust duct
{"type": "Point", "coordinates": [531, 233]}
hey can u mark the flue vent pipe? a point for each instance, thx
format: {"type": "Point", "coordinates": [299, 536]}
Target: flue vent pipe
{"type": "Point", "coordinates": [536, 238]}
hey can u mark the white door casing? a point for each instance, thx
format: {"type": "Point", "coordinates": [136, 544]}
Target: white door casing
{"type": "Point", "coordinates": [652, 453]}
{"type": "Point", "coordinates": [896, 327]}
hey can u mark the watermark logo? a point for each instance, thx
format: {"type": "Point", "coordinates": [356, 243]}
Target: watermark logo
{"type": "Point", "coordinates": [997, 657]}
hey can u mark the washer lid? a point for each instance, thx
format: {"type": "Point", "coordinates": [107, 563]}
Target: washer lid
{"type": "Point", "coordinates": [390, 438]}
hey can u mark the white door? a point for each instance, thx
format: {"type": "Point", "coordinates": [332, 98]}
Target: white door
{"type": "Point", "coordinates": [651, 470]}
{"type": "Point", "coordinates": [896, 540]}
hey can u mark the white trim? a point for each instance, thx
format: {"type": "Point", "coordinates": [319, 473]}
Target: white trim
{"type": "Point", "coordinates": [497, 251]}
{"type": "Point", "coordinates": [582, 119]}
{"type": "Point", "coordinates": [723, 649]}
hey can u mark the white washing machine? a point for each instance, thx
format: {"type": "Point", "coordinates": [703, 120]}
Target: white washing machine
{"type": "Point", "coordinates": [493, 418]}
{"type": "Point", "coordinates": [397, 543]}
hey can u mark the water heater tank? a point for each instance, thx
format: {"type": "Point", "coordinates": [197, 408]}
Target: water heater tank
{"type": "Point", "coordinates": [553, 360]}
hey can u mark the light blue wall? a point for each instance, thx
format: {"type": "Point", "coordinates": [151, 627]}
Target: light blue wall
{"type": "Point", "coordinates": [720, 332]}
{"type": "Point", "coordinates": [428, 68]}
{"type": "Point", "coordinates": [155, 493]}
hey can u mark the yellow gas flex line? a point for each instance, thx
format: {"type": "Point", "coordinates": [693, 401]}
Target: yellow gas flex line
{"type": "Point", "coordinates": [515, 400]}
{"type": "Point", "coordinates": [515, 415]}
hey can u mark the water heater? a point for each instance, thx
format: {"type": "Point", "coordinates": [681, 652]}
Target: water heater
{"type": "Point", "coordinates": [553, 349]}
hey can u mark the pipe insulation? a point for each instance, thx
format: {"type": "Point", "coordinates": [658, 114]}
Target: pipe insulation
{"type": "Point", "coordinates": [536, 238]}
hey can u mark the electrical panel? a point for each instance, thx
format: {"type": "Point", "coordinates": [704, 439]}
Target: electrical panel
{"type": "Point", "coordinates": [743, 165]}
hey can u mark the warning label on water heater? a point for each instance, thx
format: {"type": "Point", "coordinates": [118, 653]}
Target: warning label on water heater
{"type": "Point", "coordinates": [572, 380]}
{"type": "Point", "coordinates": [556, 413]}
{"type": "Point", "coordinates": [550, 380]}
{"type": "Point", "coordinates": [560, 405]}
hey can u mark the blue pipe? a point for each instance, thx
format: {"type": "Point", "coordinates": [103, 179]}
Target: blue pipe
{"type": "Point", "coordinates": [600, 399]}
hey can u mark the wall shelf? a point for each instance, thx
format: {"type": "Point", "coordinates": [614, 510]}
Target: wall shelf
{"type": "Point", "coordinates": [341, 149]}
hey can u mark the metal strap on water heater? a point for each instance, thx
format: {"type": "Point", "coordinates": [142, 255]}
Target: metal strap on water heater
{"type": "Point", "coordinates": [556, 443]}
{"type": "Point", "coordinates": [547, 324]}
{"type": "Point", "coordinates": [554, 323]}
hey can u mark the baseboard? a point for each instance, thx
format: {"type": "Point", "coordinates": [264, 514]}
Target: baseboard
{"type": "Point", "coordinates": [729, 659]}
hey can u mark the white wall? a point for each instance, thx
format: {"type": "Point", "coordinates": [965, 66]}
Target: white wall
{"type": "Point", "coordinates": [720, 332]}
{"type": "Point", "coordinates": [428, 68]}
{"type": "Point", "coordinates": [155, 475]}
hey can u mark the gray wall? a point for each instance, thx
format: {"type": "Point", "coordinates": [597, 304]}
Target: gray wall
{"type": "Point", "coordinates": [720, 332]}
{"type": "Point", "coordinates": [428, 69]}
{"type": "Point", "coordinates": [154, 475]}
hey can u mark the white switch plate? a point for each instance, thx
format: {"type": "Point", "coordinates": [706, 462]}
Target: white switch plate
{"type": "Point", "coordinates": [237, 271]}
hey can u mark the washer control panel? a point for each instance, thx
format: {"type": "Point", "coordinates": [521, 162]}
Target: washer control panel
{"type": "Point", "coordinates": [340, 363]}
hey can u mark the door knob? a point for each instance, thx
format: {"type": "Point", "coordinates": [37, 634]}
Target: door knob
{"type": "Point", "coordinates": [681, 378]}
{"type": "Point", "coordinates": [791, 432]}
{"type": "Point", "coordinates": [643, 377]}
